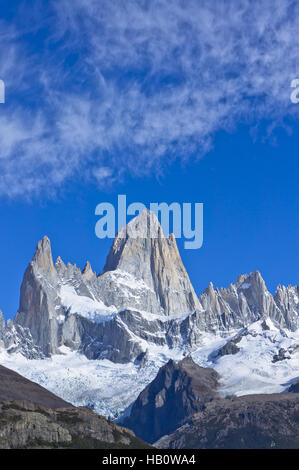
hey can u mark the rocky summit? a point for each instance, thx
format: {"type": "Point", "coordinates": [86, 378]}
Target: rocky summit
{"type": "Point", "coordinates": [179, 390]}
{"type": "Point", "coordinates": [141, 250]}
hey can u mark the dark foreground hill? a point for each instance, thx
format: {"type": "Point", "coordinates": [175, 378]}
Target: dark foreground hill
{"type": "Point", "coordinates": [178, 391]}
{"type": "Point", "coordinates": [248, 422]}
{"type": "Point", "coordinates": [33, 417]}
{"type": "Point", "coordinates": [14, 386]}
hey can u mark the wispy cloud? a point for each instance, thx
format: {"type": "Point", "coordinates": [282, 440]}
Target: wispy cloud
{"type": "Point", "coordinates": [105, 88]}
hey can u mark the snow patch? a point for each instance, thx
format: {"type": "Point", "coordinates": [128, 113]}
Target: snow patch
{"type": "Point", "coordinates": [94, 310]}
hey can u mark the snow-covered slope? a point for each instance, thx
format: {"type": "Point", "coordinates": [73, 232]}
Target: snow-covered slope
{"type": "Point", "coordinates": [103, 385]}
{"type": "Point", "coordinates": [94, 310]}
{"type": "Point", "coordinates": [267, 360]}
{"type": "Point", "coordinates": [110, 388]}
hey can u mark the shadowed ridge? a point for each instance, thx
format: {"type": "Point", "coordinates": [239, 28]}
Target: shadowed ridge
{"type": "Point", "coordinates": [14, 386]}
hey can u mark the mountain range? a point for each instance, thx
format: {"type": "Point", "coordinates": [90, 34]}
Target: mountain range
{"type": "Point", "coordinates": [78, 333]}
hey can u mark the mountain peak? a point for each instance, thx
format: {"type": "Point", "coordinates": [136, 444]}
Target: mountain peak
{"type": "Point", "coordinates": [2, 323]}
{"type": "Point", "coordinates": [87, 271]}
{"type": "Point", "coordinates": [181, 386]}
{"type": "Point", "coordinates": [43, 256]}
{"type": "Point", "coordinates": [144, 225]}
{"type": "Point", "coordinates": [254, 279]}
{"type": "Point", "coordinates": [59, 265]}
{"type": "Point", "coordinates": [141, 250]}
{"type": "Point", "coordinates": [140, 234]}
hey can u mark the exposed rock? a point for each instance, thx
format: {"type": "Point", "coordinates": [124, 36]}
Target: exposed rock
{"type": "Point", "coordinates": [2, 328]}
{"type": "Point", "coordinates": [230, 347]}
{"type": "Point", "coordinates": [294, 388]}
{"type": "Point", "coordinates": [243, 303]}
{"type": "Point", "coordinates": [88, 273]}
{"type": "Point", "coordinates": [141, 275]}
{"type": "Point", "coordinates": [38, 300]}
{"type": "Point", "coordinates": [264, 326]}
{"type": "Point", "coordinates": [24, 425]}
{"type": "Point", "coordinates": [18, 339]}
{"type": "Point", "coordinates": [248, 422]}
{"type": "Point", "coordinates": [142, 250]}
{"type": "Point", "coordinates": [43, 258]}
{"type": "Point", "coordinates": [281, 356]}
{"type": "Point", "coordinates": [32, 417]}
{"type": "Point", "coordinates": [287, 301]}
{"type": "Point", "coordinates": [179, 390]}
{"type": "Point", "coordinates": [142, 359]}
{"type": "Point", "coordinates": [15, 338]}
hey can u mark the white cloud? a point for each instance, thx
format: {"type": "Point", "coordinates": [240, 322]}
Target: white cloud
{"type": "Point", "coordinates": [126, 86]}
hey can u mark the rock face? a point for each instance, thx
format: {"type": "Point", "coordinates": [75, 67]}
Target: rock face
{"type": "Point", "coordinates": [143, 298]}
{"type": "Point", "coordinates": [294, 388]}
{"type": "Point", "coordinates": [15, 338]}
{"type": "Point", "coordinates": [32, 417]}
{"type": "Point", "coordinates": [247, 301]}
{"type": "Point", "coordinates": [230, 347]}
{"type": "Point", "coordinates": [143, 288]}
{"type": "Point", "coordinates": [248, 422]}
{"type": "Point", "coordinates": [287, 301]}
{"type": "Point", "coordinates": [141, 250]}
{"type": "Point", "coordinates": [2, 329]}
{"type": "Point", "coordinates": [179, 390]}
{"type": "Point", "coordinates": [2, 322]}
{"type": "Point", "coordinates": [38, 299]}
{"type": "Point", "coordinates": [27, 426]}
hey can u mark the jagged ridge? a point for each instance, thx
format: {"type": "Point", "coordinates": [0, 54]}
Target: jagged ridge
{"type": "Point", "coordinates": [143, 297]}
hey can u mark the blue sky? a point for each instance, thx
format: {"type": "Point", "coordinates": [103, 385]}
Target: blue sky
{"type": "Point", "coordinates": [162, 102]}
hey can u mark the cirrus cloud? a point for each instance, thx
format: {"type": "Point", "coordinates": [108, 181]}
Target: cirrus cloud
{"type": "Point", "coordinates": [104, 88]}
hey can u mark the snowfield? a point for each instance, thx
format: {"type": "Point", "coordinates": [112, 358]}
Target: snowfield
{"type": "Point", "coordinates": [251, 370]}
{"type": "Point", "coordinates": [111, 388]}
{"type": "Point", "coordinates": [94, 310]}
{"type": "Point", "coordinates": [106, 387]}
